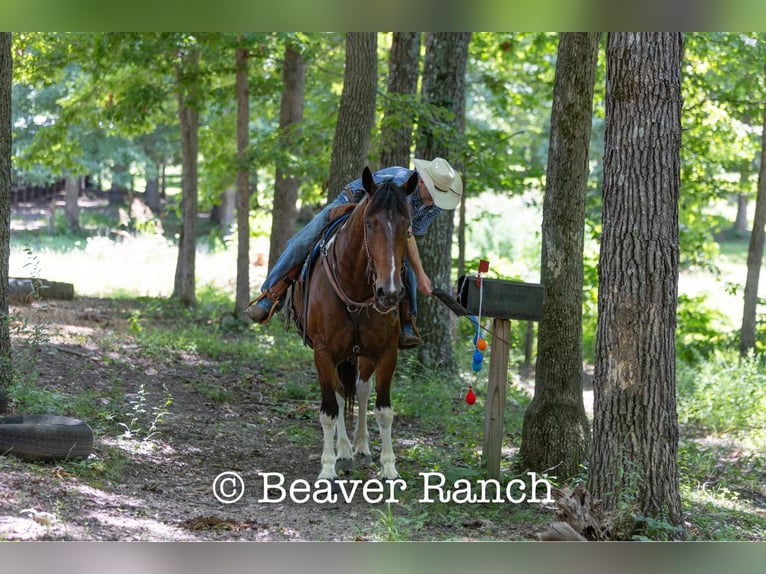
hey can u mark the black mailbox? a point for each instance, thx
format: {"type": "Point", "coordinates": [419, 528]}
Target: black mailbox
{"type": "Point", "coordinates": [502, 299]}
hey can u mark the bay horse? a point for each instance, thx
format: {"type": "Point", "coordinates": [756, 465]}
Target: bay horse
{"type": "Point", "coordinates": [351, 298]}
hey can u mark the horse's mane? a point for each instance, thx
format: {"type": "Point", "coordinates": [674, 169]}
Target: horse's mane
{"type": "Point", "coordinates": [389, 197]}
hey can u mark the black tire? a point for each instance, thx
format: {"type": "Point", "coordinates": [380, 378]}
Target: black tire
{"type": "Point", "coordinates": [45, 437]}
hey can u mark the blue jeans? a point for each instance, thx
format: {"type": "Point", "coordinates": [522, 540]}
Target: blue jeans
{"type": "Point", "coordinates": [299, 247]}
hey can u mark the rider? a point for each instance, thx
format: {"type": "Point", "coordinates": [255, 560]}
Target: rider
{"type": "Point", "coordinates": [439, 187]}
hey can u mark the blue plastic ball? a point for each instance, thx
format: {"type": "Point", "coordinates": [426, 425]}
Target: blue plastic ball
{"type": "Point", "coordinates": [476, 367]}
{"type": "Point", "coordinates": [477, 357]}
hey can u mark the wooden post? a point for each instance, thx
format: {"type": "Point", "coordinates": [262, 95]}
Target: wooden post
{"type": "Point", "coordinates": [495, 405]}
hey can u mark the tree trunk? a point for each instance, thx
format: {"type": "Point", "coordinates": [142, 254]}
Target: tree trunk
{"type": "Point", "coordinates": [444, 91]}
{"type": "Point", "coordinates": [754, 256]}
{"type": "Point", "coordinates": [188, 104]}
{"type": "Point", "coordinates": [356, 114]}
{"type": "Point", "coordinates": [6, 80]}
{"type": "Point", "coordinates": [222, 213]}
{"type": "Point", "coordinates": [72, 208]}
{"type": "Point", "coordinates": [635, 427]}
{"type": "Point", "coordinates": [243, 184]}
{"type": "Point", "coordinates": [399, 106]}
{"type": "Point", "coordinates": [740, 221]}
{"type": "Point", "coordinates": [152, 192]}
{"type": "Point", "coordinates": [284, 214]}
{"type": "Point", "coordinates": [556, 433]}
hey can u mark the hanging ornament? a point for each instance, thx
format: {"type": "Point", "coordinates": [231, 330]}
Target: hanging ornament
{"type": "Point", "coordinates": [470, 397]}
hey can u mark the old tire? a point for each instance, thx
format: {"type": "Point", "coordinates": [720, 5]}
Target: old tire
{"type": "Point", "coordinates": [45, 437]}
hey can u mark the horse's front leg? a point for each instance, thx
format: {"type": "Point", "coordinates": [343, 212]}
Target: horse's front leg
{"type": "Point", "coordinates": [345, 459]}
{"type": "Point", "coordinates": [328, 412]}
{"type": "Point", "coordinates": [384, 415]}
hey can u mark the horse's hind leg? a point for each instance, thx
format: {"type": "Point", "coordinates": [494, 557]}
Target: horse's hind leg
{"type": "Point", "coordinates": [361, 434]}
{"type": "Point", "coordinates": [347, 374]}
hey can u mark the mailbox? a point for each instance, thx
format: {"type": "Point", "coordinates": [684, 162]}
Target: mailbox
{"type": "Point", "coordinates": [501, 299]}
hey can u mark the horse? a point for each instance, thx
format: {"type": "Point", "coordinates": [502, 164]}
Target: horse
{"type": "Point", "coordinates": [351, 298]}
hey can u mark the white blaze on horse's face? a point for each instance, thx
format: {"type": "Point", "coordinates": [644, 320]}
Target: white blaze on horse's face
{"type": "Point", "coordinates": [387, 248]}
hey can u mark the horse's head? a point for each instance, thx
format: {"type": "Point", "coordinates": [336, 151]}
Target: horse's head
{"type": "Point", "coordinates": [387, 221]}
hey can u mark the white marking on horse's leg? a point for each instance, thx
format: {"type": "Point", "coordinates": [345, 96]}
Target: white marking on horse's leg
{"type": "Point", "coordinates": [328, 450]}
{"type": "Point", "coordinates": [343, 444]}
{"type": "Point", "coordinates": [385, 418]}
{"type": "Point", "coordinates": [361, 436]}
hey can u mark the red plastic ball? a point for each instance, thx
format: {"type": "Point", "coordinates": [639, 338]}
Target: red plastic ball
{"type": "Point", "coordinates": [470, 397]}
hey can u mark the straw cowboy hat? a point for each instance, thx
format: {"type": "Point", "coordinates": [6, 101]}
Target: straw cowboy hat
{"type": "Point", "coordinates": [442, 181]}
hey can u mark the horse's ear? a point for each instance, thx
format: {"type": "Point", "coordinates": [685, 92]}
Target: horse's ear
{"type": "Point", "coordinates": [367, 182]}
{"type": "Point", "coordinates": [411, 184]}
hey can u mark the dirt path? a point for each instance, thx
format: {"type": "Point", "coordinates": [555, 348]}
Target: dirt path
{"type": "Point", "coordinates": [222, 419]}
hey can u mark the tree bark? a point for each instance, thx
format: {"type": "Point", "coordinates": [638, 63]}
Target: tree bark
{"type": "Point", "coordinates": [754, 256]}
{"type": "Point", "coordinates": [152, 192]}
{"type": "Point", "coordinates": [635, 427]}
{"type": "Point", "coordinates": [439, 135]}
{"type": "Point", "coordinates": [188, 114]}
{"type": "Point", "coordinates": [223, 212]}
{"type": "Point", "coordinates": [356, 114]}
{"type": "Point", "coordinates": [243, 183]}
{"type": "Point", "coordinates": [556, 433]}
{"type": "Point", "coordinates": [72, 208]}
{"type": "Point", "coordinates": [398, 109]}
{"type": "Point", "coordinates": [6, 80]}
{"type": "Point", "coordinates": [740, 221]}
{"type": "Point", "coordinates": [285, 213]}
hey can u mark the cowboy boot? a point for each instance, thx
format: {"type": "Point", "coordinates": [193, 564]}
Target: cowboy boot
{"type": "Point", "coordinates": [409, 336]}
{"type": "Point", "coordinates": [261, 309]}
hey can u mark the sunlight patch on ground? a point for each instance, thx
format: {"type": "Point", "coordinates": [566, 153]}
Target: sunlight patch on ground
{"type": "Point", "coordinates": [142, 265]}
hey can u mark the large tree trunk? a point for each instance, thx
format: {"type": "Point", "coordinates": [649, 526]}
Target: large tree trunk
{"type": "Point", "coordinates": [284, 214]}
{"type": "Point", "coordinates": [188, 94]}
{"type": "Point", "coordinates": [754, 256]}
{"type": "Point", "coordinates": [556, 433]}
{"type": "Point", "coordinates": [6, 79]}
{"type": "Point", "coordinates": [72, 207]}
{"type": "Point", "coordinates": [635, 427]}
{"type": "Point", "coordinates": [356, 114]}
{"type": "Point", "coordinates": [444, 91]}
{"type": "Point", "coordinates": [243, 184]}
{"type": "Point", "coordinates": [399, 106]}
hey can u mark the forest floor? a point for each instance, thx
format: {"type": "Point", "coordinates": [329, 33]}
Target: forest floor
{"type": "Point", "coordinates": [223, 418]}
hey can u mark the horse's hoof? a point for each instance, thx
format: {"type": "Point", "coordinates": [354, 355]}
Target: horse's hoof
{"type": "Point", "coordinates": [363, 459]}
{"type": "Point", "coordinates": [344, 464]}
{"type": "Point", "coordinates": [334, 487]}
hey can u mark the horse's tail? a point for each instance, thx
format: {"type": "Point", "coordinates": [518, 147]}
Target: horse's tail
{"type": "Point", "coordinates": [348, 370]}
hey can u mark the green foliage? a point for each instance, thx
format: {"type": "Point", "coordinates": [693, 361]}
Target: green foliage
{"type": "Point", "coordinates": [144, 418]}
{"type": "Point", "coordinates": [726, 394]}
{"type": "Point", "coordinates": [701, 329]}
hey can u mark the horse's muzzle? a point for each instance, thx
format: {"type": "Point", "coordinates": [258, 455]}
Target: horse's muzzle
{"type": "Point", "coordinates": [388, 297]}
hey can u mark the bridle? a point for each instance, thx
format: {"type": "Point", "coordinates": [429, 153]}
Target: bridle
{"type": "Point", "coordinates": [330, 265]}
